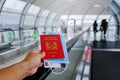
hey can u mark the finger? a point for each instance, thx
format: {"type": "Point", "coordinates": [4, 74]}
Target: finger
{"type": "Point", "coordinates": [32, 71]}
{"type": "Point", "coordinates": [41, 64]}
{"type": "Point", "coordinates": [42, 54]}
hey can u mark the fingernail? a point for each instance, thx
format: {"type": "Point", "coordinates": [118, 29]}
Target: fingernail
{"type": "Point", "coordinates": [43, 53]}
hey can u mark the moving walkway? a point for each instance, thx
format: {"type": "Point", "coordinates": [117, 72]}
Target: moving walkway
{"type": "Point", "coordinates": [96, 61]}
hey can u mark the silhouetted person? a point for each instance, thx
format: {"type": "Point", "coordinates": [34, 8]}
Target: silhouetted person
{"type": "Point", "coordinates": [95, 26]}
{"type": "Point", "coordinates": [104, 25]}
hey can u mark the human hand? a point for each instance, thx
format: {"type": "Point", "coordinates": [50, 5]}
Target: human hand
{"type": "Point", "coordinates": [33, 60]}
{"type": "Point", "coordinates": [23, 68]}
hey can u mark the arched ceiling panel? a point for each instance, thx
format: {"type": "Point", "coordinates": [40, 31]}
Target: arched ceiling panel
{"type": "Point", "coordinates": [74, 10]}
{"type": "Point", "coordinates": [77, 6]}
{"type": "Point", "coordinates": [43, 3]}
{"type": "Point", "coordinates": [95, 10]}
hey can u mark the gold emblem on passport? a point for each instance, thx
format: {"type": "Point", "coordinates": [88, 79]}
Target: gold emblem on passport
{"type": "Point", "coordinates": [51, 46]}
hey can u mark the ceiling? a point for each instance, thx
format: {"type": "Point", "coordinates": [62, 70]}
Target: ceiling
{"type": "Point", "coordinates": [74, 7]}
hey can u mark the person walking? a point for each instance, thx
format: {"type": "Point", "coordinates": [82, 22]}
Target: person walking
{"type": "Point", "coordinates": [104, 25]}
{"type": "Point", "coordinates": [95, 26]}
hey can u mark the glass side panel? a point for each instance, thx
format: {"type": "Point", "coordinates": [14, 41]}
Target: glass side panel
{"type": "Point", "coordinates": [64, 17]}
{"type": "Point", "coordinates": [118, 16]}
{"type": "Point", "coordinates": [41, 30]}
{"type": "Point", "coordinates": [50, 22]}
{"type": "Point", "coordinates": [118, 2]}
{"type": "Point", "coordinates": [93, 17]}
{"type": "Point", "coordinates": [52, 15]}
{"type": "Point", "coordinates": [104, 17]}
{"type": "Point", "coordinates": [41, 22]}
{"type": "Point", "coordinates": [9, 19]}
{"type": "Point", "coordinates": [113, 8]}
{"type": "Point", "coordinates": [33, 10]}
{"type": "Point", "coordinates": [75, 16]}
{"type": "Point", "coordinates": [29, 20]}
{"type": "Point", "coordinates": [45, 13]}
{"type": "Point", "coordinates": [14, 6]}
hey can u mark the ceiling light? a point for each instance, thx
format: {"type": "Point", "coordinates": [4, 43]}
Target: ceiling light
{"type": "Point", "coordinates": [70, 0]}
{"type": "Point", "coordinates": [97, 5]}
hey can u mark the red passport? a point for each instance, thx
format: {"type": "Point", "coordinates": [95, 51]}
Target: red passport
{"type": "Point", "coordinates": [51, 44]}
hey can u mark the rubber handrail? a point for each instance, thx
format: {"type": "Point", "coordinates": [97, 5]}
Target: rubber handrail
{"type": "Point", "coordinates": [9, 43]}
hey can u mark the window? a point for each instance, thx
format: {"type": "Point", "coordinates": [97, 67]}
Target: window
{"type": "Point", "coordinates": [118, 2]}
{"type": "Point", "coordinates": [9, 19]}
{"type": "Point", "coordinates": [14, 6]}
{"type": "Point", "coordinates": [33, 10]}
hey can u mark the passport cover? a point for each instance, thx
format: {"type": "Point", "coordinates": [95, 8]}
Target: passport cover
{"type": "Point", "coordinates": [65, 60]}
{"type": "Point", "coordinates": [51, 44]}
